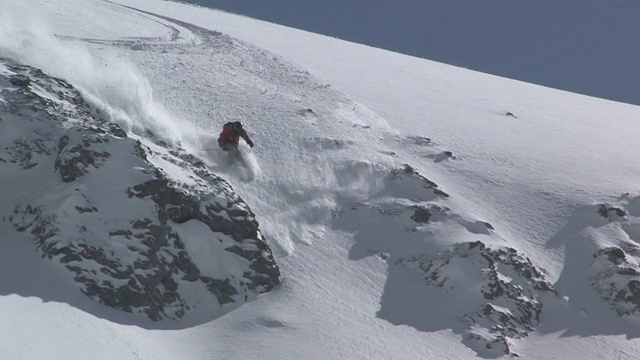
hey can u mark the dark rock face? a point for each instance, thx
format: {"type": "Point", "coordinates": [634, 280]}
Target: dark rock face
{"type": "Point", "coordinates": [421, 215]}
{"type": "Point", "coordinates": [505, 301]}
{"type": "Point", "coordinates": [609, 236]}
{"type": "Point", "coordinates": [74, 160]}
{"type": "Point", "coordinates": [235, 220]}
{"type": "Point", "coordinates": [618, 281]}
{"type": "Point", "coordinates": [611, 213]}
{"type": "Point", "coordinates": [132, 236]}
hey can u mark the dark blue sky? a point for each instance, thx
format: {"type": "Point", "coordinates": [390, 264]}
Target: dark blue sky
{"type": "Point", "coordinates": [586, 46]}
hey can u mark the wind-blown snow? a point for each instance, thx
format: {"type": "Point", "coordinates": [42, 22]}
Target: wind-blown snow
{"type": "Point", "coordinates": [497, 161]}
{"type": "Point", "coordinates": [112, 83]}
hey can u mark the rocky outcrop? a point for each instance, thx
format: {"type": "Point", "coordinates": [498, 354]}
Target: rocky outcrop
{"type": "Point", "coordinates": [612, 213]}
{"type": "Point", "coordinates": [618, 279]}
{"type": "Point", "coordinates": [409, 174]}
{"type": "Point", "coordinates": [143, 227]}
{"type": "Point", "coordinates": [494, 294]}
{"type": "Point", "coordinates": [609, 236]}
{"type": "Point", "coordinates": [501, 288]}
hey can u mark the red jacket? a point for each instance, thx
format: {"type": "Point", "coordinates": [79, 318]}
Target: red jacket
{"type": "Point", "coordinates": [229, 136]}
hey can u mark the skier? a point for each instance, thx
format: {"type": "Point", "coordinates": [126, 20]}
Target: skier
{"type": "Point", "coordinates": [230, 136]}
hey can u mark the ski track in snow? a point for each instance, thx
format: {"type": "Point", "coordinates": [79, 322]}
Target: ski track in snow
{"type": "Point", "coordinates": [318, 152]}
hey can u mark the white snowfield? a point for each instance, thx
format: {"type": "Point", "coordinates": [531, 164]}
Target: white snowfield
{"type": "Point", "coordinates": [412, 206]}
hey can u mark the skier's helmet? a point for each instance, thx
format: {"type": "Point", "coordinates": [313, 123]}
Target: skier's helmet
{"type": "Point", "coordinates": [237, 126]}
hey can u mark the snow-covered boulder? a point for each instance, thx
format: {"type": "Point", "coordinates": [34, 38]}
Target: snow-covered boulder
{"type": "Point", "coordinates": [141, 226]}
{"type": "Point", "coordinates": [618, 282]}
{"type": "Point", "coordinates": [603, 252]}
{"type": "Point", "coordinates": [616, 263]}
{"type": "Point", "coordinates": [499, 292]}
{"type": "Point", "coordinates": [493, 293]}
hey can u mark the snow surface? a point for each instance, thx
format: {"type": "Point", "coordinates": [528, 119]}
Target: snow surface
{"type": "Point", "coordinates": [330, 120]}
{"type": "Point", "coordinates": [582, 46]}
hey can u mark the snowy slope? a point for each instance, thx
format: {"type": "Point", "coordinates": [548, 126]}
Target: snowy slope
{"type": "Point", "coordinates": [141, 225]}
{"type": "Point", "coordinates": [583, 46]}
{"type": "Point", "coordinates": [416, 210]}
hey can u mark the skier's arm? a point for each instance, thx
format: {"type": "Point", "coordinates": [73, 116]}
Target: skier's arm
{"type": "Point", "coordinates": [245, 136]}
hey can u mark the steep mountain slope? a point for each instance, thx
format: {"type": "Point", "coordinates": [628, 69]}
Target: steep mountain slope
{"type": "Point", "coordinates": [580, 46]}
{"type": "Point", "coordinates": [410, 232]}
{"type": "Point", "coordinates": [132, 222]}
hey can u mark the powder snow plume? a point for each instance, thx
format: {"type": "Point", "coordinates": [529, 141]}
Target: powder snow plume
{"type": "Point", "coordinates": [113, 85]}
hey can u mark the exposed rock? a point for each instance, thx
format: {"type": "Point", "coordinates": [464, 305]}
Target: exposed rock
{"type": "Point", "coordinates": [421, 140]}
{"type": "Point", "coordinates": [611, 212]}
{"type": "Point", "coordinates": [411, 172]}
{"type": "Point", "coordinates": [618, 281]}
{"type": "Point", "coordinates": [442, 156]}
{"type": "Point", "coordinates": [421, 215]}
{"type": "Point", "coordinates": [73, 161]}
{"type": "Point", "coordinates": [508, 304]}
{"type": "Point", "coordinates": [306, 112]}
{"type": "Point", "coordinates": [132, 237]}
{"type": "Point", "coordinates": [20, 80]}
{"type": "Point", "coordinates": [614, 255]}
